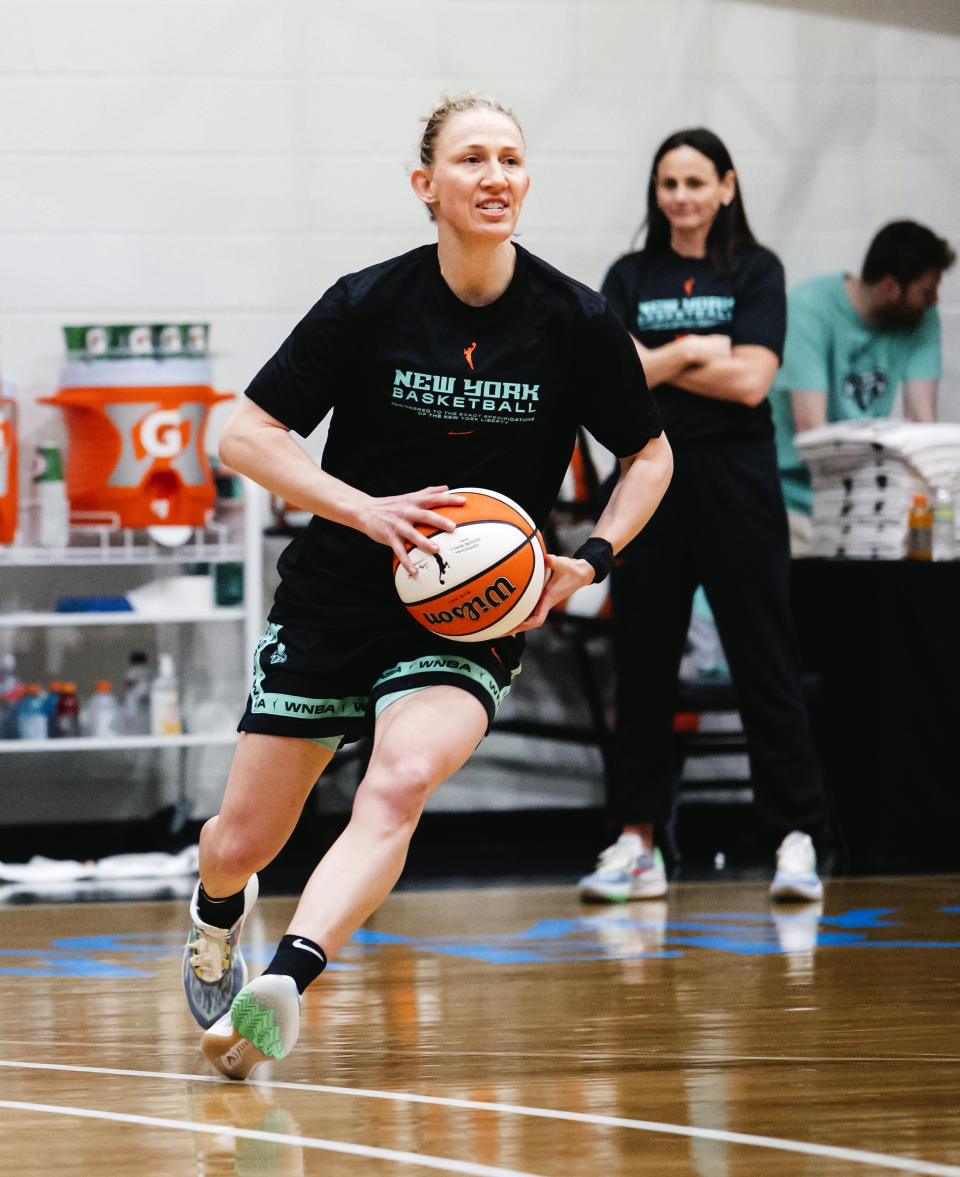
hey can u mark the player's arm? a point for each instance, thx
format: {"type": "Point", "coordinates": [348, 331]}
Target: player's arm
{"type": "Point", "coordinates": [644, 477]}
{"type": "Point", "coordinates": [263, 448]}
{"type": "Point", "coordinates": [920, 399]}
{"type": "Point", "coordinates": [662, 365]}
{"type": "Point", "coordinates": [809, 409]}
{"type": "Point", "coordinates": [744, 376]}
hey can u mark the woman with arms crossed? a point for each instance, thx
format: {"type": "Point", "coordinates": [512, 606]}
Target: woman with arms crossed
{"type": "Point", "coordinates": [469, 362]}
{"type": "Point", "coordinates": [706, 306]}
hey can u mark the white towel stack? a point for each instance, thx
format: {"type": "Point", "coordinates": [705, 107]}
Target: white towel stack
{"type": "Point", "coordinates": [864, 475]}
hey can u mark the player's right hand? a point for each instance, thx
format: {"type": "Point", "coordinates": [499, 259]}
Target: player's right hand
{"type": "Point", "coordinates": [395, 520]}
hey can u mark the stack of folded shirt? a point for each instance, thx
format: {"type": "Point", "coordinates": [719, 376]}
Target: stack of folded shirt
{"type": "Point", "coordinates": [864, 475]}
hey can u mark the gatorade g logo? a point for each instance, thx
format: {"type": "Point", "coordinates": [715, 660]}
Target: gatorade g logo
{"type": "Point", "coordinates": [152, 434]}
{"type": "Point", "coordinates": [163, 434]}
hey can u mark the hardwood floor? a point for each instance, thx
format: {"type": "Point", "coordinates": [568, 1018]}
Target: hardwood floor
{"type": "Point", "coordinates": [506, 1031]}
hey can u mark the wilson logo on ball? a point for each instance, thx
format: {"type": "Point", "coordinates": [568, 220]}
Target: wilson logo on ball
{"type": "Point", "coordinates": [487, 576]}
{"type": "Point", "coordinates": [495, 597]}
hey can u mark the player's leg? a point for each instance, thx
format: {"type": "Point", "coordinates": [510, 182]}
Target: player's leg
{"type": "Point", "coordinates": [652, 588]}
{"type": "Point", "coordinates": [420, 740]}
{"type": "Point", "coordinates": [746, 576]}
{"type": "Point", "coordinates": [309, 692]}
{"type": "Point", "coordinates": [269, 781]}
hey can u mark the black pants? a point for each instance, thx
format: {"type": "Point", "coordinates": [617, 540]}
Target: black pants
{"type": "Point", "coordinates": [721, 524]}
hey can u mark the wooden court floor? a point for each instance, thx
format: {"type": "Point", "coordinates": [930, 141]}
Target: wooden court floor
{"type": "Point", "coordinates": [506, 1031]}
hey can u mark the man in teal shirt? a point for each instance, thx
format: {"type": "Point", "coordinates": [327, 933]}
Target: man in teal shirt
{"type": "Point", "coordinates": [852, 342]}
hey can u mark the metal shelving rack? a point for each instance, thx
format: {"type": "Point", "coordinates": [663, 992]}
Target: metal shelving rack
{"type": "Point", "coordinates": [101, 543]}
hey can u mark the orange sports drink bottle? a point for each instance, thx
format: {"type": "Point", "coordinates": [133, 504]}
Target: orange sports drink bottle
{"type": "Point", "coordinates": [8, 470]}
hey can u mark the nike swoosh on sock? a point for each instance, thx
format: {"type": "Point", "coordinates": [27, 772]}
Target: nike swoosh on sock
{"type": "Point", "coordinates": [298, 943]}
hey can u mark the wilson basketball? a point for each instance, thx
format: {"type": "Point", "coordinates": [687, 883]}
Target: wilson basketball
{"type": "Point", "coordinates": [487, 575]}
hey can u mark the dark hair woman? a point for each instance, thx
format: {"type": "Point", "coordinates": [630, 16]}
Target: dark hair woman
{"type": "Point", "coordinates": [705, 303]}
{"type": "Point", "coordinates": [729, 232]}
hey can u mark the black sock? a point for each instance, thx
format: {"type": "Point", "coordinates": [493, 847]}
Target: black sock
{"type": "Point", "coordinates": [220, 913]}
{"type": "Point", "coordinates": [299, 958]}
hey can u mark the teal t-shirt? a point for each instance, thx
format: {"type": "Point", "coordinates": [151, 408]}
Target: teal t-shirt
{"type": "Point", "coordinates": [830, 348]}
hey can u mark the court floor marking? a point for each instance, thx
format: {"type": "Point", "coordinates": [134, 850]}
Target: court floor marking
{"type": "Point", "coordinates": [588, 1053]}
{"type": "Point", "coordinates": [834, 1152]}
{"type": "Point", "coordinates": [423, 1160]}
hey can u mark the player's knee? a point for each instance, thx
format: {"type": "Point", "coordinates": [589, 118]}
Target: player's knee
{"type": "Point", "coordinates": [399, 790]}
{"type": "Point", "coordinates": [227, 850]}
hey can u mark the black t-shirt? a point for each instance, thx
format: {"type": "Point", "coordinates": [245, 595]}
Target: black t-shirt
{"type": "Point", "coordinates": [426, 390]}
{"type": "Point", "coordinates": [662, 296]}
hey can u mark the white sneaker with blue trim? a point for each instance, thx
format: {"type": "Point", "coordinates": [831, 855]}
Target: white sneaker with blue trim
{"type": "Point", "coordinates": [626, 870]}
{"type": "Point", "coordinates": [796, 877]}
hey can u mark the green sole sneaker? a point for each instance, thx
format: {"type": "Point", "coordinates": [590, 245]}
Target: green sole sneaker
{"type": "Point", "coordinates": [262, 1025]}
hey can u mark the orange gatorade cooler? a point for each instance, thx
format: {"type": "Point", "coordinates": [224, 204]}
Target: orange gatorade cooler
{"type": "Point", "coordinates": [8, 470]}
{"type": "Point", "coordinates": [136, 431]}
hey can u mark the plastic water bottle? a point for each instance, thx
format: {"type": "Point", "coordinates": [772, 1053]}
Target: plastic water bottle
{"type": "Point", "coordinates": [67, 712]}
{"type": "Point", "coordinates": [32, 713]}
{"type": "Point", "coordinates": [103, 712]}
{"type": "Point", "coordinates": [50, 701]}
{"type": "Point", "coordinates": [165, 700]}
{"type": "Point", "coordinates": [136, 696]}
{"type": "Point", "coordinates": [920, 530]}
{"type": "Point", "coordinates": [10, 695]}
{"type": "Point", "coordinates": [52, 495]}
{"type": "Point", "coordinates": [944, 525]}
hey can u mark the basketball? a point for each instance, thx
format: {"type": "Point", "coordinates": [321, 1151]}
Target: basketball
{"type": "Point", "coordinates": [487, 575]}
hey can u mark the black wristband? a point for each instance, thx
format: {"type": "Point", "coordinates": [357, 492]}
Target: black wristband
{"type": "Point", "coordinates": [598, 553]}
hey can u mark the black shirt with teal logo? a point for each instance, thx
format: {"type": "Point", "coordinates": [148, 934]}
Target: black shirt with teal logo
{"type": "Point", "coordinates": [425, 390]}
{"type": "Point", "coordinates": [662, 296]}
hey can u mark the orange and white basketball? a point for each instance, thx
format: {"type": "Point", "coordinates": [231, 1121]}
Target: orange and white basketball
{"type": "Point", "coordinates": [487, 575]}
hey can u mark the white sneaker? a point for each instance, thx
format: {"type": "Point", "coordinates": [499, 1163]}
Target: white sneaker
{"type": "Point", "coordinates": [796, 877]}
{"type": "Point", "coordinates": [213, 967]}
{"type": "Point", "coordinates": [262, 1024]}
{"type": "Point", "coordinates": [625, 870]}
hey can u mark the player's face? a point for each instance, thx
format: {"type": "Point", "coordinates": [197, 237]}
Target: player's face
{"type": "Point", "coordinates": [478, 181]}
{"type": "Point", "coordinates": [689, 192]}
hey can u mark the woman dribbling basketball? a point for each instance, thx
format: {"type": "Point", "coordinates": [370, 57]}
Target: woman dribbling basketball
{"type": "Point", "coordinates": [469, 362]}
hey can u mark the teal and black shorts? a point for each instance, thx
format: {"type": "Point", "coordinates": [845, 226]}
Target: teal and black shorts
{"type": "Point", "coordinates": [330, 687]}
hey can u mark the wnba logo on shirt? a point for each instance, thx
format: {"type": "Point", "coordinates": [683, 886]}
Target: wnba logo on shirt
{"type": "Point", "coordinates": [468, 354]}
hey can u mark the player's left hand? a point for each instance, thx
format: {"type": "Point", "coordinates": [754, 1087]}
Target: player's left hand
{"type": "Point", "coordinates": [564, 576]}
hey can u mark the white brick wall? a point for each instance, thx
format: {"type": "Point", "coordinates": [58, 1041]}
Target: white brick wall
{"type": "Point", "coordinates": [226, 160]}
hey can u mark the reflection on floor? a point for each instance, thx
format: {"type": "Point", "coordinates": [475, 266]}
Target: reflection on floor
{"type": "Point", "coordinates": [506, 1031]}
